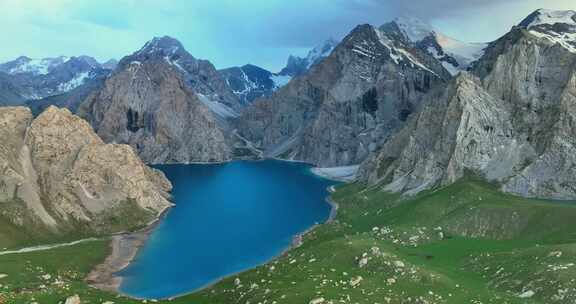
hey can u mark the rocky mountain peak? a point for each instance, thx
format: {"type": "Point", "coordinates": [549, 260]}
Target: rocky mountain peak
{"type": "Point", "coordinates": [454, 55]}
{"type": "Point", "coordinates": [297, 65]}
{"type": "Point", "coordinates": [164, 44]}
{"type": "Point", "coordinates": [413, 28]}
{"type": "Point", "coordinates": [321, 51]}
{"type": "Point", "coordinates": [490, 121]}
{"type": "Point", "coordinates": [345, 106]}
{"type": "Point", "coordinates": [549, 17]}
{"type": "Point", "coordinates": [557, 27]}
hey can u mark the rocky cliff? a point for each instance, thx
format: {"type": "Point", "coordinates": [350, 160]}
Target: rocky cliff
{"type": "Point", "coordinates": [510, 120]}
{"type": "Point", "coordinates": [167, 105]}
{"type": "Point", "coordinates": [346, 105]}
{"type": "Point", "coordinates": [58, 175]}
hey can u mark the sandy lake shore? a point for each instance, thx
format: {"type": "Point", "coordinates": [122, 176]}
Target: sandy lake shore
{"type": "Point", "coordinates": [123, 249]}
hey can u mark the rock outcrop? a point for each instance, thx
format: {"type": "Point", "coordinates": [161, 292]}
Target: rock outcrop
{"type": "Point", "coordinates": [346, 105]}
{"type": "Point", "coordinates": [58, 174]}
{"type": "Point", "coordinates": [510, 120]}
{"type": "Point", "coordinates": [167, 105]}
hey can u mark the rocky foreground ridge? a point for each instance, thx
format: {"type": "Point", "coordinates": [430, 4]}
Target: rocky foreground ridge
{"type": "Point", "coordinates": [58, 174]}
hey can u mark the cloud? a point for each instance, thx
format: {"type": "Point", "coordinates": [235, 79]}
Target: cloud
{"type": "Point", "coordinates": [115, 14]}
{"type": "Point", "coordinates": [233, 32]}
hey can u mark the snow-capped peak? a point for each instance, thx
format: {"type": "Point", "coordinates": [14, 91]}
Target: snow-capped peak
{"type": "Point", "coordinates": [454, 55]}
{"type": "Point", "coordinates": [321, 51]}
{"type": "Point", "coordinates": [558, 27]}
{"type": "Point", "coordinates": [25, 64]}
{"type": "Point", "coordinates": [415, 29]}
{"type": "Point", "coordinates": [549, 17]}
{"type": "Point", "coordinates": [164, 44]}
{"type": "Point", "coordinates": [298, 65]}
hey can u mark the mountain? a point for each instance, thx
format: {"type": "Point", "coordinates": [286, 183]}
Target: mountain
{"type": "Point", "coordinates": [348, 104]}
{"type": "Point", "coordinates": [250, 82]}
{"type": "Point", "coordinates": [60, 178]}
{"type": "Point", "coordinates": [199, 75]}
{"type": "Point", "coordinates": [555, 26]}
{"type": "Point", "coordinates": [166, 104]}
{"type": "Point", "coordinates": [70, 100]}
{"type": "Point", "coordinates": [9, 93]}
{"type": "Point", "coordinates": [110, 64]}
{"type": "Point", "coordinates": [509, 120]}
{"type": "Point", "coordinates": [297, 66]}
{"type": "Point", "coordinates": [35, 79]}
{"type": "Point", "coordinates": [454, 55]}
{"type": "Point", "coordinates": [26, 65]}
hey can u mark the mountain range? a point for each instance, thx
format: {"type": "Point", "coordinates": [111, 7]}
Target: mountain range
{"type": "Point", "coordinates": [510, 119]}
{"type": "Point", "coordinates": [415, 108]}
{"type": "Point", "coordinates": [449, 140]}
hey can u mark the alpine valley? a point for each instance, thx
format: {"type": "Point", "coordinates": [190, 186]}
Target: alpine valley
{"type": "Point", "coordinates": [455, 162]}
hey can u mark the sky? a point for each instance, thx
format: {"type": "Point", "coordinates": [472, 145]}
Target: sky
{"type": "Point", "coordinates": [235, 32]}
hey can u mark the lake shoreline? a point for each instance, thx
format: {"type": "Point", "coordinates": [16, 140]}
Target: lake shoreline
{"type": "Point", "coordinates": [124, 248]}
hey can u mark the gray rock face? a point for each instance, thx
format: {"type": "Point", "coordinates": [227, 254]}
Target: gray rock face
{"type": "Point", "coordinates": [9, 93]}
{"type": "Point", "coordinates": [57, 173]}
{"type": "Point", "coordinates": [166, 105]}
{"type": "Point", "coordinates": [198, 75]}
{"type": "Point", "coordinates": [348, 104]}
{"type": "Point", "coordinates": [510, 120]}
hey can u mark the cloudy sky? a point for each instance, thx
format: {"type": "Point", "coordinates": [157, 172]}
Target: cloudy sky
{"type": "Point", "coordinates": [234, 32]}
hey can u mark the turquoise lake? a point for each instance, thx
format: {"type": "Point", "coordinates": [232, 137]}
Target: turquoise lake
{"type": "Point", "coordinates": [228, 218]}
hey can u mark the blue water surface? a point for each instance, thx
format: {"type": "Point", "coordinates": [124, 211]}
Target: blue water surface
{"type": "Point", "coordinates": [228, 218]}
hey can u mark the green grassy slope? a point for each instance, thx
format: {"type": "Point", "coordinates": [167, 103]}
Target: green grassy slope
{"type": "Point", "coordinates": [466, 243]}
{"type": "Point", "coordinates": [19, 229]}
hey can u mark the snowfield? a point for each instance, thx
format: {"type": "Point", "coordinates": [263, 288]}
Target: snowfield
{"type": "Point", "coordinates": [344, 174]}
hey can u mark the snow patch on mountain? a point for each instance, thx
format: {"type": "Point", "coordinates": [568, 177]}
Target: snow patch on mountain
{"type": "Point", "coordinates": [414, 28]}
{"type": "Point", "coordinates": [73, 83]}
{"type": "Point", "coordinates": [321, 52]}
{"type": "Point", "coordinates": [35, 66]}
{"type": "Point", "coordinates": [297, 65]}
{"type": "Point", "coordinates": [566, 40]}
{"type": "Point", "coordinates": [344, 174]}
{"type": "Point", "coordinates": [549, 17]}
{"type": "Point", "coordinates": [454, 55]}
{"type": "Point", "coordinates": [558, 27]}
{"type": "Point", "coordinates": [399, 54]}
